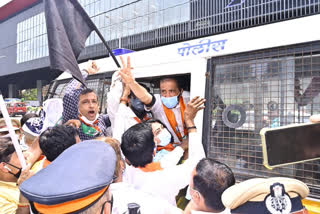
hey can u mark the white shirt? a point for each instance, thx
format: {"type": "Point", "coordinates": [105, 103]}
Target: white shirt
{"type": "Point", "coordinates": [166, 183]}
{"type": "Point", "coordinates": [121, 116]}
{"type": "Point", "coordinates": [124, 119]}
{"type": "Point", "coordinates": [226, 211]}
{"type": "Point", "coordinates": [113, 98]}
{"type": "Point", "coordinates": [158, 113]}
{"type": "Point", "coordinates": [124, 193]}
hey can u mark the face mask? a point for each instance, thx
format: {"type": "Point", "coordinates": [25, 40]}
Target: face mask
{"type": "Point", "coordinates": [164, 137]}
{"type": "Point", "coordinates": [89, 121]}
{"type": "Point", "coordinates": [137, 104]}
{"type": "Point", "coordinates": [170, 102]}
{"type": "Point", "coordinates": [137, 107]}
{"type": "Point", "coordinates": [17, 175]}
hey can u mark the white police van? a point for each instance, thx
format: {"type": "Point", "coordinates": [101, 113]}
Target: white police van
{"type": "Point", "coordinates": [265, 76]}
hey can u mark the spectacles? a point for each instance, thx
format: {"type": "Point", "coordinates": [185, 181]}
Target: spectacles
{"type": "Point", "coordinates": [13, 166]}
{"type": "Point", "coordinates": [103, 205]}
{"type": "Point", "coordinates": [17, 175]}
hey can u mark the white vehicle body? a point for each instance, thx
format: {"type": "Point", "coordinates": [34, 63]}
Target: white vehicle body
{"type": "Point", "coordinates": [192, 58]}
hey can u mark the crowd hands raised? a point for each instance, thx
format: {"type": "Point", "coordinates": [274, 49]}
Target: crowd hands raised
{"type": "Point", "coordinates": [135, 159]}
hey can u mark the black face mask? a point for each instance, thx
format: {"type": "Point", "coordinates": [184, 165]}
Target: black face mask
{"type": "Point", "coordinates": [137, 107]}
{"type": "Point", "coordinates": [17, 175]}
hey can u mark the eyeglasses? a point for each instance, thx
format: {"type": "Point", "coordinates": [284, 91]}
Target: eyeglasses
{"type": "Point", "coordinates": [13, 166]}
{"type": "Point", "coordinates": [103, 205]}
{"type": "Point", "coordinates": [17, 175]}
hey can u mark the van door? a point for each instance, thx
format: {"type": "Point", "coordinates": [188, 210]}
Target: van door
{"type": "Point", "coordinates": [265, 88]}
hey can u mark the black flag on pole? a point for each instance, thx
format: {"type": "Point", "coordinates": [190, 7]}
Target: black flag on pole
{"type": "Point", "coordinates": [68, 29]}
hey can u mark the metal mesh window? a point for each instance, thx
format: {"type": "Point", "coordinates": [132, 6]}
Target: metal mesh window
{"type": "Point", "coordinates": [268, 88]}
{"type": "Point", "coordinates": [100, 85]}
{"type": "Point", "coordinates": [60, 90]}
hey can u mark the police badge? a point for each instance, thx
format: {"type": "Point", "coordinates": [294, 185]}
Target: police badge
{"type": "Point", "coordinates": [278, 202]}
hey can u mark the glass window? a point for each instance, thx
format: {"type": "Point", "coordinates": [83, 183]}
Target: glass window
{"type": "Point", "coordinates": [102, 21]}
{"type": "Point", "coordinates": [108, 33]}
{"type": "Point", "coordinates": [96, 21]}
{"type": "Point", "coordinates": [114, 17]}
{"type": "Point", "coordinates": [31, 39]}
{"type": "Point", "coordinates": [120, 14]}
{"type": "Point", "coordinates": [153, 6]}
{"type": "Point", "coordinates": [130, 11]}
{"type": "Point", "coordinates": [136, 25]}
{"type": "Point", "coordinates": [144, 7]}
{"type": "Point", "coordinates": [125, 13]}
{"type": "Point", "coordinates": [167, 17]}
{"type": "Point", "coordinates": [97, 7]}
{"type": "Point", "coordinates": [107, 5]}
{"type": "Point", "coordinates": [113, 3]}
{"type": "Point", "coordinates": [151, 21]}
{"type": "Point", "coordinates": [175, 14]}
{"type": "Point", "coordinates": [131, 27]}
{"type": "Point", "coordinates": [108, 19]}
{"type": "Point", "coordinates": [128, 17]}
{"type": "Point", "coordinates": [91, 9]}
{"type": "Point", "coordinates": [125, 28]}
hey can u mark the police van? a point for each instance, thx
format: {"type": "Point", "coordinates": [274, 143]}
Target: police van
{"type": "Point", "coordinates": [252, 78]}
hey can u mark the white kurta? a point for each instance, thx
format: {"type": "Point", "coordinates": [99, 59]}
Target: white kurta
{"type": "Point", "coordinates": [166, 183]}
{"type": "Point", "coordinates": [124, 193]}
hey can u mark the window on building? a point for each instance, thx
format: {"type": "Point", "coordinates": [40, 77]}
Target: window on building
{"type": "Point", "coordinates": [31, 39]}
{"type": "Point", "coordinates": [114, 19]}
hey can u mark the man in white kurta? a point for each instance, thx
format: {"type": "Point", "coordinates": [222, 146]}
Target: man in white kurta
{"type": "Point", "coordinates": [167, 182]}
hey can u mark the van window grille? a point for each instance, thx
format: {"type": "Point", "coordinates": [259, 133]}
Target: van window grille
{"type": "Point", "coordinates": [60, 88]}
{"type": "Point", "coordinates": [268, 86]}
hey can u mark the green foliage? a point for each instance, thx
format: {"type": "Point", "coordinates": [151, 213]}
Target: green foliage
{"type": "Point", "coordinates": [29, 94]}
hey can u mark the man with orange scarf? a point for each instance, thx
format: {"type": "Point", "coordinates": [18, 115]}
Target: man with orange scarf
{"type": "Point", "coordinates": [168, 106]}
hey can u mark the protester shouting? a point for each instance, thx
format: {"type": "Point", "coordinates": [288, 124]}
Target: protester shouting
{"type": "Point", "coordinates": [81, 108]}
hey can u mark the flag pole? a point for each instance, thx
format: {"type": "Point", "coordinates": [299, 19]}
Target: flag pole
{"type": "Point", "coordinates": [94, 27]}
{"type": "Point", "coordinates": [12, 132]}
{"type": "Point", "coordinates": [105, 44]}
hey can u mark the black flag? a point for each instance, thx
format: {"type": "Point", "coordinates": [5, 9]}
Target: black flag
{"type": "Point", "coordinates": [68, 28]}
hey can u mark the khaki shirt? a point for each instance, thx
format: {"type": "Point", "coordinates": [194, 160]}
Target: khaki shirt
{"type": "Point", "coordinates": [9, 197]}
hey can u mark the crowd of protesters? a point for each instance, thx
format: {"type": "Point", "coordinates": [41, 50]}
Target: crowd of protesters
{"type": "Point", "coordinates": [135, 159]}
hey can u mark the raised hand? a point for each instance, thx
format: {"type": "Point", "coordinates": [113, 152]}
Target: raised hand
{"type": "Point", "coordinates": [25, 174]}
{"type": "Point", "coordinates": [92, 67]}
{"type": "Point", "coordinates": [125, 71]}
{"type": "Point", "coordinates": [195, 105]}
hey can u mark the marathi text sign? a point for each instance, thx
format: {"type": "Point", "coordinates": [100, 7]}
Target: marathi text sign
{"type": "Point", "coordinates": [204, 45]}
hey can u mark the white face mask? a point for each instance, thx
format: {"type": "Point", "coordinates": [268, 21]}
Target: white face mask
{"type": "Point", "coordinates": [89, 121]}
{"type": "Point", "coordinates": [165, 137]}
